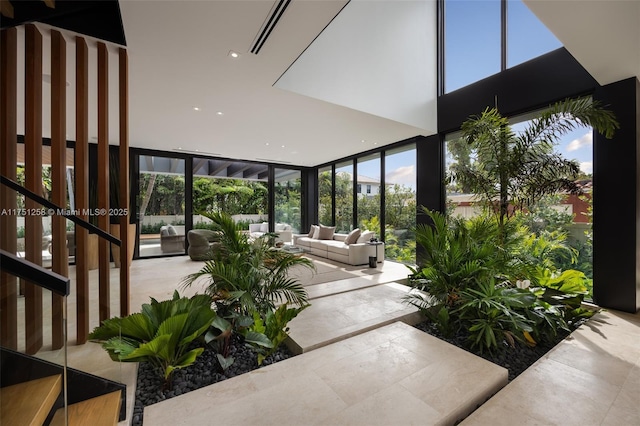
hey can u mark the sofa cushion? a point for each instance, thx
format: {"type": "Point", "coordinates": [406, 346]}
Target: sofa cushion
{"type": "Point", "coordinates": [326, 232]}
{"type": "Point", "coordinates": [365, 236]}
{"type": "Point", "coordinates": [318, 244]}
{"type": "Point", "coordinates": [304, 241]}
{"type": "Point", "coordinates": [338, 247]}
{"type": "Point", "coordinates": [352, 238]}
{"type": "Point", "coordinates": [312, 231]}
{"type": "Point", "coordinates": [264, 227]}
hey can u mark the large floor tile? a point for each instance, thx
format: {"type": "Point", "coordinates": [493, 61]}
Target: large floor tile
{"type": "Point", "coordinates": [345, 383]}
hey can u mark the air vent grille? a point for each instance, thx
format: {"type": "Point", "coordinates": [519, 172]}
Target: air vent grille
{"type": "Point", "coordinates": [269, 24]}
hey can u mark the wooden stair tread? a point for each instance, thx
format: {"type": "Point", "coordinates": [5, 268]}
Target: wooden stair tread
{"type": "Point", "coordinates": [102, 410]}
{"type": "Point", "coordinates": [29, 403]}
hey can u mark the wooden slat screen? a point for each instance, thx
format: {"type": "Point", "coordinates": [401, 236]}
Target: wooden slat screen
{"type": "Point", "coordinates": [82, 188]}
{"type": "Point", "coordinates": [60, 256]}
{"type": "Point", "coordinates": [33, 182]}
{"type": "Point", "coordinates": [8, 159]}
{"type": "Point", "coordinates": [103, 180]}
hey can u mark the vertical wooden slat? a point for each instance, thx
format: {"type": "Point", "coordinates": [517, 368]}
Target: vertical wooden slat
{"type": "Point", "coordinates": [81, 169]}
{"type": "Point", "coordinates": [103, 179]}
{"type": "Point", "coordinates": [60, 257]}
{"type": "Point", "coordinates": [33, 182]}
{"type": "Point", "coordinates": [124, 180]}
{"type": "Point", "coordinates": [8, 201]}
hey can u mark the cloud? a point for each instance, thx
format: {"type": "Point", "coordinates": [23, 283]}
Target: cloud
{"type": "Point", "coordinates": [583, 141]}
{"type": "Point", "coordinates": [586, 167]}
{"type": "Point", "coordinates": [405, 175]}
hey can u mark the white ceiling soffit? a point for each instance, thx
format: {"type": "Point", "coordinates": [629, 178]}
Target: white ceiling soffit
{"type": "Point", "coordinates": [179, 59]}
{"type": "Point", "coordinates": [376, 56]}
{"type": "Point", "coordinates": [603, 35]}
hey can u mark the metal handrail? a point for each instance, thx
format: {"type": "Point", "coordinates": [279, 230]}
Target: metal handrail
{"type": "Point", "coordinates": [34, 273]}
{"type": "Point", "coordinates": [59, 210]}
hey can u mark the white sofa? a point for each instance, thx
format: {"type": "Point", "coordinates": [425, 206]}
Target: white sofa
{"type": "Point", "coordinates": [335, 249]}
{"type": "Point", "coordinates": [284, 231]}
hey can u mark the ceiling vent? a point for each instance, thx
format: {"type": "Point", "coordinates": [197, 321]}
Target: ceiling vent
{"type": "Point", "coordinates": [269, 24]}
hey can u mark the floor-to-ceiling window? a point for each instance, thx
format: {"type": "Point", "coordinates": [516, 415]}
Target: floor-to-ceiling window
{"type": "Point", "coordinates": [484, 37]}
{"type": "Point", "coordinates": [325, 196]}
{"type": "Point", "coordinates": [400, 203]}
{"type": "Point", "coordinates": [344, 196]}
{"type": "Point", "coordinates": [161, 205]}
{"type": "Point", "coordinates": [368, 192]}
{"type": "Point", "coordinates": [238, 188]}
{"type": "Point", "coordinates": [472, 41]}
{"type": "Point", "coordinates": [527, 36]}
{"type": "Point", "coordinates": [288, 200]}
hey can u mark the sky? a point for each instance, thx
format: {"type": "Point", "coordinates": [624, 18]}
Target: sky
{"type": "Point", "coordinates": [473, 53]}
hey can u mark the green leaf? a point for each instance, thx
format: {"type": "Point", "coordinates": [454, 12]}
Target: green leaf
{"type": "Point", "coordinates": [257, 338]}
{"type": "Point", "coordinates": [225, 362]}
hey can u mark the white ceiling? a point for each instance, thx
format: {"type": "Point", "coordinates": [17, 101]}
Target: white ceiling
{"type": "Point", "coordinates": [603, 35]}
{"type": "Point", "coordinates": [178, 60]}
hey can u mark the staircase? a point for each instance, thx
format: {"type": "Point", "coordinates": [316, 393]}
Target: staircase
{"type": "Point", "coordinates": [32, 402]}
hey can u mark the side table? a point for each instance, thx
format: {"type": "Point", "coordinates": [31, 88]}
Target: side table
{"type": "Point", "coordinates": [373, 260]}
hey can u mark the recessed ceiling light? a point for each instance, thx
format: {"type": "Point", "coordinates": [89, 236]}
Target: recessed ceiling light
{"type": "Point", "coordinates": [267, 143]}
{"type": "Point", "coordinates": [363, 141]}
{"type": "Point", "coordinates": [282, 146]}
{"type": "Point", "coordinates": [220, 113]}
{"type": "Point", "coordinates": [375, 143]}
{"type": "Point", "coordinates": [234, 55]}
{"type": "Point", "coordinates": [196, 109]}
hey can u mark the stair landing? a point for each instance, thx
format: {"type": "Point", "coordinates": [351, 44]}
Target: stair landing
{"type": "Point", "coordinates": [395, 374]}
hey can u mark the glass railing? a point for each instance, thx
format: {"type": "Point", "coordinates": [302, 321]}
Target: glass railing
{"type": "Point", "coordinates": [34, 348]}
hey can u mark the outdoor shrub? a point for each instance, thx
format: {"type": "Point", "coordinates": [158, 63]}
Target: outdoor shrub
{"type": "Point", "coordinates": [160, 334]}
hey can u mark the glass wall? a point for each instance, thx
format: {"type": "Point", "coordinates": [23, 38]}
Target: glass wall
{"type": "Point", "coordinates": [472, 41]}
{"type": "Point", "coordinates": [527, 36]}
{"type": "Point", "coordinates": [238, 188]}
{"type": "Point", "coordinates": [368, 193]}
{"type": "Point", "coordinates": [288, 200]}
{"type": "Point", "coordinates": [400, 204]}
{"type": "Point", "coordinates": [161, 205]}
{"type": "Point", "coordinates": [325, 196]}
{"type": "Point", "coordinates": [344, 196]}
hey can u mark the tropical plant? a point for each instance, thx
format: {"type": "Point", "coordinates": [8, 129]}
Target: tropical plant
{"type": "Point", "coordinates": [160, 334]}
{"type": "Point", "coordinates": [512, 171]}
{"type": "Point", "coordinates": [452, 259]}
{"type": "Point", "coordinates": [273, 327]}
{"type": "Point", "coordinates": [246, 276]}
{"type": "Point", "coordinates": [491, 315]}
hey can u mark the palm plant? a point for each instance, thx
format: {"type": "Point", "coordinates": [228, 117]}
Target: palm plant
{"type": "Point", "coordinates": [247, 276]}
{"type": "Point", "coordinates": [517, 170]}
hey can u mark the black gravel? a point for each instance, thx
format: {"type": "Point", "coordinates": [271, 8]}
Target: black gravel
{"type": "Point", "coordinates": [515, 359]}
{"type": "Point", "coordinates": [204, 371]}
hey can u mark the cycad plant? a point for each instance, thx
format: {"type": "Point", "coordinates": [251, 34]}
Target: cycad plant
{"type": "Point", "coordinates": [160, 334]}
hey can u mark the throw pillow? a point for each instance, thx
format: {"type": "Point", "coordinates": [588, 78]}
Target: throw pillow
{"type": "Point", "coordinates": [365, 236]}
{"type": "Point", "coordinates": [312, 231]}
{"type": "Point", "coordinates": [326, 232]}
{"type": "Point", "coordinates": [352, 237]}
{"type": "Point", "coordinates": [164, 232]}
{"type": "Point", "coordinates": [264, 227]}
{"type": "Point", "coordinates": [171, 230]}
{"type": "Point", "coordinates": [316, 233]}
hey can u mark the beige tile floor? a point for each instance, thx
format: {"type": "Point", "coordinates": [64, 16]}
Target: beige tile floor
{"type": "Point", "coordinates": [593, 378]}
{"type": "Point", "coordinates": [393, 375]}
